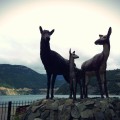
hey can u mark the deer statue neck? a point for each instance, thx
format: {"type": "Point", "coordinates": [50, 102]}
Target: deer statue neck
{"type": "Point", "coordinates": [44, 46]}
{"type": "Point", "coordinates": [106, 51]}
{"type": "Point", "coordinates": [71, 63]}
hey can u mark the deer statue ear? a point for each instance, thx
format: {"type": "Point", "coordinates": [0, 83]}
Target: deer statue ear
{"type": "Point", "coordinates": [52, 32]}
{"type": "Point", "coordinates": [100, 35]}
{"type": "Point", "coordinates": [73, 52]}
{"type": "Point", "coordinates": [109, 31]}
{"type": "Point", "coordinates": [70, 51]}
{"type": "Point", "coordinates": [41, 30]}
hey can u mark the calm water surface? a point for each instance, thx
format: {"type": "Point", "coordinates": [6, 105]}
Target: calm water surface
{"type": "Point", "coordinates": [5, 98]}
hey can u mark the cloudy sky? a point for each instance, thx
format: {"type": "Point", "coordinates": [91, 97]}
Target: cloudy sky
{"type": "Point", "coordinates": [77, 24]}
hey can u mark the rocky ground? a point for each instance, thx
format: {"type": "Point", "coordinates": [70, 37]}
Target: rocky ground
{"type": "Point", "coordinates": [67, 109]}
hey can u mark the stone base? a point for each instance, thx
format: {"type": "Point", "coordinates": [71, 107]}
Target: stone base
{"type": "Point", "coordinates": [66, 109]}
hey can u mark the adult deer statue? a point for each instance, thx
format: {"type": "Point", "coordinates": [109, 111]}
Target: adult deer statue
{"type": "Point", "coordinates": [97, 66]}
{"type": "Point", "coordinates": [53, 62]}
{"type": "Point", "coordinates": [73, 80]}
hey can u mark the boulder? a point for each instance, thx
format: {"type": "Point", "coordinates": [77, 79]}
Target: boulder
{"type": "Point", "coordinates": [67, 109]}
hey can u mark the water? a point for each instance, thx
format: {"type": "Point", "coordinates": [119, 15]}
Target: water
{"type": "Point", "coordinates": [6, 98]}
{"type": "Point", "coordinates": [13, 98]}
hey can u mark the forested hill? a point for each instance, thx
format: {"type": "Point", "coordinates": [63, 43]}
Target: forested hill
{"type": "Point", "coordinates": [18, 76]}
{"type": "Point", "coordinates": [113, 78]}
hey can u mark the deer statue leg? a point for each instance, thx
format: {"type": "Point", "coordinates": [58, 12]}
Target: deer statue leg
{"type": "Point", "coordinates": [48, 84]}
{"type": "Point", "coordinates": [81, 90]}
{"type": "Point", "coordinates": [66, 76]}
{"type": "Point", "coordinates": [86, 86]}
{"type": "Point", "coordinates": [86, 91]}
{"type": "Point", "coordinates": [52, 86]}
{"type": "Point", "coordinates": [74, 89]}
{"type": "Point", "coordinates": [83, 84]}
{"type": "Point", "coordinates": [105, 85]}
{"type": "Point", "coordinates": [71, 89]}
{"type": "Point", "coordinates": [100, 83]}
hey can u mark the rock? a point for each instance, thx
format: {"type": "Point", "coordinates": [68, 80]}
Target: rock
{"type": "Point", "coordinates": [45, 114]}
{"type": "Point", "coordinates": [42, 108]}
{"type": "Point", "coordinates": [81, 106]}
{"type": "Point", "coordinates": [60, 110]}
{"type": "Point", "coordinates": [65, 113]}
{"type": "Point", "coordinates": [33, 115]}
{"type": "Point", "coordinates": [87, 114]}
{"type": "Point", "coordinates": [62, 101]}
{"type": "Point", "coordinates": [67, 109]}
{"type": "Point", "coordinates": [104, 105]}
{"type": "Point", "coordinates": [69, 102]}
{"type": "Point", "coordinates": [99, 116]}
{"type": "Point", "coordinates": [37, 119]}
{"type": "Point", "coordinates": [26, 114]}
{"type": "Point", "coordinates": [75, 113]}
{"type": "Point", "coordinates": [48, 104]}
{"type": "Point", "coordinates": [45, 101]}
{"type": "Point", "coordinates": [53, 115]}
{"type": "Point", "coordinates": [37, 103]}
{"type": "Point", "coordinates": [89, 103]}
{"type": "Point", "coordinates": [54, 106]}
{"type": "Point", "coordinates": [60, 107]}
{"type": "Point", "coordinates": [118, 106]}
{"type": "Point", "coordinates": [75, 119]}
{"type": "Point", "coordinates": [97, 104]}
{"type": "Point", "coordinates": [35, 108]}
{"type": "Point", "coordinates": [112, 113]}
{"type": "Point", "coordinates": [109, 114]}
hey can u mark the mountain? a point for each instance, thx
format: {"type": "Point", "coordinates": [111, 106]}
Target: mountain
{"type": "Point", "coordinates": [21, 78]}
{"type": "Point", "coordinates": [18, 76]}
{"type": "Point", "coordinates": [113, 78]}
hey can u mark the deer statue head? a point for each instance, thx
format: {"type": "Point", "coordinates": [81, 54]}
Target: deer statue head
{"type": "Point", "coordinates": [104, 39]}
{"type": "Point", "coordinates": [45, 34]}
{"type": "Point", "coordinates": [73, 55]}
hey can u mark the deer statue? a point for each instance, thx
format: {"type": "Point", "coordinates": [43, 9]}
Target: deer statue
{"type": "Point", "coordinates": [53, 62]}
{"type": "Point", "coordinates": [73, 80]}
{"type": "Point", "coordinates": [97, 66]}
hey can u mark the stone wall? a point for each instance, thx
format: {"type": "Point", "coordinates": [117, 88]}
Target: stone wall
{"type": "Point", "coordinates": [66, 109]}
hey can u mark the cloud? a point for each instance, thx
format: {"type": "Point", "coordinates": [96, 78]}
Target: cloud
{"type": "Point", "coordinates": [77, 25]}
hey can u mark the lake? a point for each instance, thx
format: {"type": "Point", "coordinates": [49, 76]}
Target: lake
{"type": "Point", "coordinates": [6, 98]}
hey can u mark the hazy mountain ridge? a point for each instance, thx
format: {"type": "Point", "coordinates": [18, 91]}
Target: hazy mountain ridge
{"type": "Point", "coordinates": [113, 78]}
{"type": "Point", "coordinates": [24, 80]}
{"type": "Point", "coordinates": [18, 76]}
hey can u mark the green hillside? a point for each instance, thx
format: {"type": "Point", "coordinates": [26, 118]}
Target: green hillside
{"type": "Point", "coordinates": [17, 76]}
{"type": "Point", "coordinates": [113, 78]}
